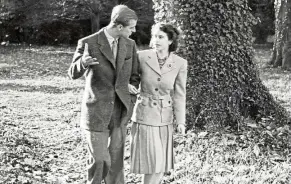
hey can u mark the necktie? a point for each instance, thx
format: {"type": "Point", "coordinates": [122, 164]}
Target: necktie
{"type": "Point", "coordinates": [114, 48]}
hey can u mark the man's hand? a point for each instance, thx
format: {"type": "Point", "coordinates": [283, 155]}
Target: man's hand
{"type": "Point", "coordinates": [87, 60]}
{"type": "Point", "coordinates": [132, 90]}
{"type": "Point", "coordinates": [181, 129]}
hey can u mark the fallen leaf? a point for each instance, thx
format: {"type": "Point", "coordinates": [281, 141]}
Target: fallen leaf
{"type": "Point", "coordinates": [252, 125]}
{"type": "Point", "coordinates": [256, 150]}
{"type": "Point", "coordinates": [202, 134]}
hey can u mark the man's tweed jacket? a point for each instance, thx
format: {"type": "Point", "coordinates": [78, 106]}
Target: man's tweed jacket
{"type": "Point", "coordinates": [105, 81]}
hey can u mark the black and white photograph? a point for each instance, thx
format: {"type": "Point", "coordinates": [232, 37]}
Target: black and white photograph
{"type": "Point", "coordinates": [145, 91]}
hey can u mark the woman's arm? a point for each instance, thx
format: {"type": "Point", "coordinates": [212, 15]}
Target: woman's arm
{"type": "Point", "coordinates": [179, 97]}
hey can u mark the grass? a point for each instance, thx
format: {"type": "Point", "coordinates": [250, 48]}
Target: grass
{"type": "Point", "coordinates": [276, 79]}
{"type": "Point", "coordinates": [40, 139]}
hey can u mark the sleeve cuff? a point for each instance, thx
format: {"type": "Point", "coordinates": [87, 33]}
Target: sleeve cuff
{"type": "Point", "coordinates": [83, 66]}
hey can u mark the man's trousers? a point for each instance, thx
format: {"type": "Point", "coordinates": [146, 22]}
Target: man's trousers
{"type": "Point", "coordinates": [106, 151]}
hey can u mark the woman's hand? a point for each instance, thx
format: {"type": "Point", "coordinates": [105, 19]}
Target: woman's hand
{"type": "Point", "coordinates": [181, 129]}
{"type": "Point", "coordinates": [132, 90]}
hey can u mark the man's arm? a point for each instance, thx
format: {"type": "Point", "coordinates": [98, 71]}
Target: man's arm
{"type": "Point", "coordinates": [81, 60]}
{"type": "Point", "coordinates": [135, 72]}
{"type": "Point", "coordinates": [77, 68]}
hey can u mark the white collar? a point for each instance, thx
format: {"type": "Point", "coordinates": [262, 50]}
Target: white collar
{"type": "Point", "coordinates": [109, 37]}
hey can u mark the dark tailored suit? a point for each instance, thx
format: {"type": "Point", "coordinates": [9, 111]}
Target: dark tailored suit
{"type": "Point", "coordinates": [107, 105]}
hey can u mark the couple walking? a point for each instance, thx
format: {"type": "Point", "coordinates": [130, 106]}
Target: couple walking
{"type": "Point", "coordinates": [115, 73]}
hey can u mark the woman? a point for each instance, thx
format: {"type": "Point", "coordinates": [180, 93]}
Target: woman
{"type": "Point", "coordinates": [162, 98]}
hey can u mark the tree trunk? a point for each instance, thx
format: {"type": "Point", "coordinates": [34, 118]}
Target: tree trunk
{"type": "Point", "coordinates": [223, 83]}
{"type": "Point", "coordinates": [95, 15]}
{"type": "Point", "coordinates": [97, 6]}
{"type": "Point", "coordinates": [95, 21]}
{"type": "Point", "coordinates": [281, 56]}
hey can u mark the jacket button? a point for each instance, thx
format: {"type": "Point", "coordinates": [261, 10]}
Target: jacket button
{"type": "Point", "coordinates": [157, 89]}
{"type": "Point", "coordinates": [169, 102]}
{"type": "Point", "coordinates": [112, 102]}
{"type": "Point", "coordinates": [159, 79]}
{"type": "Point", "coordinates": [139, 98]}
{"type": "Point", "coordinates": [155, 103]}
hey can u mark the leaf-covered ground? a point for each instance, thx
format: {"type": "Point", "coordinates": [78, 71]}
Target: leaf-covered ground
{"type": "Point", "coordinates": [40, 139]}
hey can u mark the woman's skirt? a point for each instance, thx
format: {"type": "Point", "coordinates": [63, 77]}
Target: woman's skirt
{"type": "Point", "coordinates": [151, 149]}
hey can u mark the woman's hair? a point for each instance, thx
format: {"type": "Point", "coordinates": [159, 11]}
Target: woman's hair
{"type": "Point", "coordinates": [172, 33]}
{"type": "Point", "coordinates": [121, 14]}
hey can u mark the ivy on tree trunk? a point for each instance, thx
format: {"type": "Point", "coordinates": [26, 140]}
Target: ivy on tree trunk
{"type": "Point", "coordinates": [281, 55]}
{"type": "Point", "coordinates": [223, 83]}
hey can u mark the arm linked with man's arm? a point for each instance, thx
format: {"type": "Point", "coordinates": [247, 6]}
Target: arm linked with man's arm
{"type": "Point", "coordinates": [77, 68]}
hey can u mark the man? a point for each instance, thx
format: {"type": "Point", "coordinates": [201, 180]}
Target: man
{"type": "Point", "coordinates": [109, 62]}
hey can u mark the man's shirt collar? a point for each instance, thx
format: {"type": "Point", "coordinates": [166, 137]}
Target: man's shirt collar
{"type": "Point", "coordinates": [109, 37]}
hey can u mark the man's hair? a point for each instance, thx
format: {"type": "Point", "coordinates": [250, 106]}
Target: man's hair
{"type": "Point", "coordinates": [172, 32]}
{"type": "Point", "coordinates": [121, 14]}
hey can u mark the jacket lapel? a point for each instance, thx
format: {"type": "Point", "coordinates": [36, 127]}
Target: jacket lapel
{"type": "Point", "coordinates": [169, 65]}
{"type": "Point", "coordinates": [121, 53]}
{"type": "Point", "coordinates": [153, 63]}
{"type": "Point", "coordinates": [105, 47]}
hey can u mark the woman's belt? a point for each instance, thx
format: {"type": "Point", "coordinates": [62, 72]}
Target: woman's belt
{"type": "Point", "coordinates": [156, 97]}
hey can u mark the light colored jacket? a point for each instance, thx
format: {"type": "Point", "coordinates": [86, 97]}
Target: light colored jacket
{"type": "Point", "coordinates": [162, 91]}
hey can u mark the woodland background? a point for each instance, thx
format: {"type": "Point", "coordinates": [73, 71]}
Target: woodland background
{"type": "Point", "coordinates": [57, 22]}
{"type": "Point", "coordinates": [238, 90]}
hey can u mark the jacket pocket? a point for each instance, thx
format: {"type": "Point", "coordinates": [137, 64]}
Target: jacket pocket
{"type": "Point", "coordinates": [167, 111]}
{"type": "Point", "coordinates": [127, 66]}
{"type": "Point", "coordinates": [141, 108]}
{"type": "Point", "coordinates": [127, 59]}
